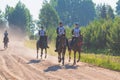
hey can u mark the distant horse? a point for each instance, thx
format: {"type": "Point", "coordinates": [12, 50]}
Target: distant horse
{"type": "Point", "coordinates": [62, 48]}
{"type": "Point", "coordinates": [76, 47]}
{"type": "Point", "coordinates": [42, 45]}
{"type": "Point", "coordinates": [5, 41]}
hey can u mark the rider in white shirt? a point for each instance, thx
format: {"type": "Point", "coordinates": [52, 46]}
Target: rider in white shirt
{"type": "Point", "coordinates": [75, 33]}
{"type": "Point", "coordinates": [60, 31]}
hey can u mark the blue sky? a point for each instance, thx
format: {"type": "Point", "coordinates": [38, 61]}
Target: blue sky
{"type": "Point", "coordinates": [35, 5]}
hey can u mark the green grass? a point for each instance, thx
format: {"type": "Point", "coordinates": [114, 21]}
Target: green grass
{"type": "Point", "coordinates": [30, 43]}
{"type": "Point", "coordinates": [105, 61]}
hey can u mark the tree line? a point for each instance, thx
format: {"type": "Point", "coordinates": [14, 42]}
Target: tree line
{"type": "Point", "coordinates": [100, 26]}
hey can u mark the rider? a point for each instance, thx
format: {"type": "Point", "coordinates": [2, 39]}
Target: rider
{"type": "Point", "coordinates": [5, 33]}
{"type": "Point", "coordinates": [75, 33]}
{"type": "Point", "coordinates": [43, 36]}
{"type": "Point", "coordinates": [60, 31]}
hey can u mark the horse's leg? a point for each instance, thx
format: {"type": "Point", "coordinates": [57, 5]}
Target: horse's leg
{"type": "Point", "coordinates": [59, 57]}
{"type": "Point", "coordinates": [45, 53]}
{"type": "Point", "coordinates": [63, 57]}
{"type": "Point", "coordinates": [4, 44]}
{"type": "Point", "coordinates": [78, 56]}
{"type": "Point", "coordinates": [74, 58]}
{"type": "Point", "coordinates": [37, 52]}
{"type": "Point", "coordinates": [69, 55]}
{"type": "Point", "coordinates": [41, 52]}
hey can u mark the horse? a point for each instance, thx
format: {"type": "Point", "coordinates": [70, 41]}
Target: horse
{"type": "Point", "coordinates": [62, 48]}
{"type": "Point", "coordinates": [5, 41]}
{"type": "Point", "coordinates": [76, 47]}
{"type": "Point", "coordinates": [42, 44]}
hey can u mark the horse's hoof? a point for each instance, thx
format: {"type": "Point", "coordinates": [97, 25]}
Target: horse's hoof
{"type": "Point", "coordinates": [78, 60]}
{"type": "Point", "coordinates": [59, 61]}
{"type": "Point", "coordinates": [69, 60]}
{"type": "Point", "coordinates": [74, 63]}
{"type": "Point", "coordinates": [45, 57]}
{"type": "Point", "coordinates": [37, 57]}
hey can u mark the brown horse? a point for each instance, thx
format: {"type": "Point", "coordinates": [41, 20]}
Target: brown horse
{"type": "Point", "coordinates": [76, 47]}
{"type": "Point", "coordinates": [5, 41]}
{"type": "Point", "coordinates": [42, 45]}
{"type": "Point", "coordinates": [62, 49]}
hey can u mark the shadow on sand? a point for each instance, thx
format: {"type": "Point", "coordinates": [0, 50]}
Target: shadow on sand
{"type": "Point", "coordinates": [2, 49]}
{"type": "Point", "coordinates": [57, 67]}
{"type": "Point", "coordinates": [34, 61]}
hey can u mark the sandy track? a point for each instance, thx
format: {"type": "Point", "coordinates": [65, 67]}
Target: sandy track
{"type": "Point", "coordinates": [20, 63]}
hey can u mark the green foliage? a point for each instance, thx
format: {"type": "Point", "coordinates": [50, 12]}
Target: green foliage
{"type": "Point", "coordinates": [114, 37]}
{"type": "Point", "coordinates": [103, 35]}
{"type": "Point", "coordinates": [48, 16]}
{"type": "Point", "coordinates": [118, 7]}
{"type": "Point", "coordinates": [18, 16]}
{"type": "Point", "coordinates": [1, 16]}
{"type": "Point", "coordinates": [71, 11]}
{"type": "Point", "coordinates": [109, 62]}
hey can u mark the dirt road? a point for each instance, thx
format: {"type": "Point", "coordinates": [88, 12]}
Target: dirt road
{"type": "Point", "coordinates": [20, 63]}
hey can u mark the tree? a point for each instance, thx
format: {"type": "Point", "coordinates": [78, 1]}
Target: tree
{"type": "Point", "coordinates": [18, 16]}
{"type": "Point", "coordinates": [48, 16]}
{"type": "Point", "coordinates": [2, 20]}
{"type": "Point", "coordinates": [104, 12]}
{"type": "Point", "coordinates": [71, 11]}
{"type": "Point", "coordinates": [1, 16]}
{"type": "Point", "coordinates": [114, 37]}
{"type": "Point", "coordinates": [118, 7]}
{"type": "Point", "coordinates": [110, 13]}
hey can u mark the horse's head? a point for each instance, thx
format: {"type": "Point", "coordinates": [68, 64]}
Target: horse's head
{"type": "Point", "coordinates": [62, 41]}
{"type": "Point", "coordinates": [80, 39]}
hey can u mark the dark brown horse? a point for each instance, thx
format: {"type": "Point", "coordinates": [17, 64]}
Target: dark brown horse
{"type": "Point", "coordinates": [76, 47]}
{"type": "Point", "coordinates": [5, 41]}
{"type": "Point", "coordinates": [62, 49]}
{"type": "Point", "coordinates": [42, 45]}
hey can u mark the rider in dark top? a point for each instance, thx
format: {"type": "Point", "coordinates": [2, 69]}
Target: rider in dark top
{"type": "Point", "coordinates": [75, 34]}
{"type": "Point", "coordinates": [5, 33]}
{"type": "Point", "coordinates": [43, 37]}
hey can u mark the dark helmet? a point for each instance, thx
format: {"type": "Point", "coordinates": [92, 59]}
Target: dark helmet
{"type": "Point", "coordinates": [76, 23]}
{"type": "Point", "coordinates": [60, 23]}
{"type": "Point", "coordinates": [41, 27]}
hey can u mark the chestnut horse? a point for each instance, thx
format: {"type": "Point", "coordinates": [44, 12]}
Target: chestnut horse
{"type": "Point", "coordinates": [76, 47]}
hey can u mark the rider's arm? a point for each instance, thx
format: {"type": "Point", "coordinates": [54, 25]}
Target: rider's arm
{"type": "Point", "coordinates": [79, 32]}
{"type": "Point", "coordinates": [65, 31]}
{"type": "Point", "coordinates": [39, 32]}
{"type": "Point", "coordinates": [45, 33]}
{"type": "Point", "coordinates": [72, 32]}
{"type": "Point", "coordinates": [57, 30]}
